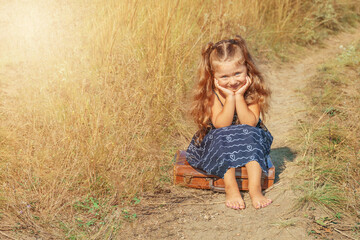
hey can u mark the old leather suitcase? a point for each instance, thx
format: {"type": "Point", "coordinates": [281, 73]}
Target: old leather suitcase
{"type": "Point", "coordinates": [186, 175]}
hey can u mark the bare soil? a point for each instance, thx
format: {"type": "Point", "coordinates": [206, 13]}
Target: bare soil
{"type": "Point", "coordinates": [183, 213]}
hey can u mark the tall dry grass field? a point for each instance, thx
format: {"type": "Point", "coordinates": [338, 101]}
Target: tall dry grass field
{"type": "Point", "coordinates": [94, 96]}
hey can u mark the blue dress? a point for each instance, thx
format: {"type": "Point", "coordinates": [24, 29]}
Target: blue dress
{"type": "Point", "coordinates": [231, 147]}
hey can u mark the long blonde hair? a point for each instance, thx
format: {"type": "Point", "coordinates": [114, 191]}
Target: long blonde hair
{"type": "Point", "coordinates": [225, 50]}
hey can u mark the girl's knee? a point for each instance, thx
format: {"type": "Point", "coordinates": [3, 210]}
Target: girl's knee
{"type": "Point", "coordinates": [253, 165]}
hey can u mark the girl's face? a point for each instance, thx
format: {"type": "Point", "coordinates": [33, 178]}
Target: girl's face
{"type": "Point", "coordinates": [231, 75]}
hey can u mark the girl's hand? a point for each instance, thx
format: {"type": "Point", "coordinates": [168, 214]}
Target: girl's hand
{"type": "Point", "coordinates": [225, 91]}
{"type": "Point", "coordinates": [243, 89]}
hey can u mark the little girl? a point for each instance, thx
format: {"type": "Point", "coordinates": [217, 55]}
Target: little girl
{"type": "Point", "coordinates": [229, 98]}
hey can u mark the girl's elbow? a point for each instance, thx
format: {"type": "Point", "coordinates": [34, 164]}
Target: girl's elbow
{"type": "Point", "coordinates": [252, 123]}
{"type": "Point", "coordinates": [221, 125]}
{"type": "Point", "coordinates": [220, 122]}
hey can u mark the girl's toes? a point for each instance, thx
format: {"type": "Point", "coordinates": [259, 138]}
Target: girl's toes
{"type": "Point", "coordinates": [235, 205]}
{"type": "Point", "coordinates": [240, 205]}
{"type": "Point", "coordinates": [265, 203]}
{"type": "Point", "coordinates": [268, 202]}
{"type": "Point", "coordinates": [257, 205]}
{"type": "Point", "coordinates": [230, 205]}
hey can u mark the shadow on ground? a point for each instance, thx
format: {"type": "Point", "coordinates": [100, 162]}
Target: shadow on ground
{"type": "Point", "coordinates": [279, 156]}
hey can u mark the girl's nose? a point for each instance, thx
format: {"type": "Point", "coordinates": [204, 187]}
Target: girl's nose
{"type": "Point", "coordinates": [233, 80]}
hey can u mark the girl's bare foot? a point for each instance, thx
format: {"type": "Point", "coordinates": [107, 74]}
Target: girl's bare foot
{"type": "Point", "coordinates": [259, 200]}
{"type": "Point", "coordinates": [254, 174]}
{"type": "Point", "coordinates": [233, 198]}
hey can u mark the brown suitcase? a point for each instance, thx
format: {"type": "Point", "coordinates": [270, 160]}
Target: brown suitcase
{"type": "Point", "coordinates": [186, 175]}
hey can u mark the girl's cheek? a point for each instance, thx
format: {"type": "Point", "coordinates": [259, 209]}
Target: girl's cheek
{"type": "Point", "coordinates": [223, 84]}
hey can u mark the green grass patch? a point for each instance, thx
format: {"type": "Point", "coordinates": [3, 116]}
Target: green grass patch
{"type": "Point", "coordinates": [332, 134]}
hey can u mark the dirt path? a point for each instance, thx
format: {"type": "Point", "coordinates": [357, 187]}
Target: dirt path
{"type": "Point", "coordinates": [196, 214]}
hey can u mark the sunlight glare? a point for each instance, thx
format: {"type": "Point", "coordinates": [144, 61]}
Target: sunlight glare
{"type": "Point", "coordinates": [29, 26]}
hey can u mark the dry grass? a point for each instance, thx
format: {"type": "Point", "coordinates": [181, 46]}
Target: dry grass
{"type": "Point", "coordinates": [94, 96]}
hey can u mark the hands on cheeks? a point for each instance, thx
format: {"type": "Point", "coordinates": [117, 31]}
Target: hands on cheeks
{"type": "Point", "coordinates": [241, 91]}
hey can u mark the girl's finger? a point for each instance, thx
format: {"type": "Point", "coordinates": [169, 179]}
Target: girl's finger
{"type": "Point", "coordinates": [248, 83]}
{"type": "Point", "coordinates": [216, 83]}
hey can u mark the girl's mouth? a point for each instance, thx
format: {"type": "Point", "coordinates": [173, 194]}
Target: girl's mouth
{"type": "Point", "coordinates": [237, 87]}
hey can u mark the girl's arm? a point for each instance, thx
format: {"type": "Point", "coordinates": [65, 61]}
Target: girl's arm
{"type": "Point", "coordinates": [222, 116]}
{"type": "Point", "coordinates": [247, 114]}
